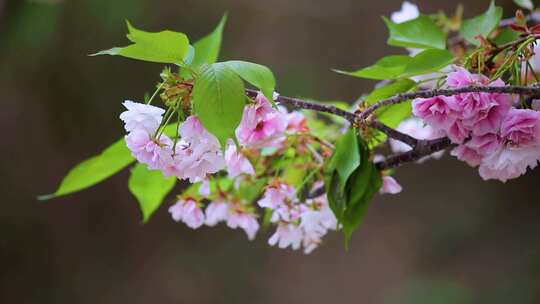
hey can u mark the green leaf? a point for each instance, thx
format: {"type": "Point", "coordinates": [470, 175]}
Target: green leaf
{"type": "Point", "coordinates": [506, 35]}
{"type": "Point", "coordinates": [346, 157]}
{"type": "Point", "coordinates": [335, 193]}
{"type": "Point", "coordinates": [207, 48]}
{"type": "Point", "coordinates": [364, 184]}
{"type": "Point", "coordinates": [389, 67]}
{"type": "Point", "coordinates": [218, 100]}
{"type": "Point", "coordinates": [94, 170]}
{"type": "Point", "coordinates": [482, 25]}
{"type": "Point", "coordinates": [394, 67]}
{"type": "Point", "coordinates": [421, 32]}
{"type": "Point", "coordinates": [428, 61]}
{"type": "Point", "coordinates": [150, 188]}
{"type": "Point", "coordinates": [387, 91]}
{"type": "Point", "coordinates": [528, 4]}
{"type": "Point", "coordinates": [350, 202]}
{"type": "Point", "coordinates": [161, 47]}
{"type": "Point", "coordinates": [256, 74]}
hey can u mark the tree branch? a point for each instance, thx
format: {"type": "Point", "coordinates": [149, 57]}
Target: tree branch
{"type": "Point", "coordinates": [424, 148]}
{"type": "Point", "coordinates": [351, 117]}
{"type": "Point", "coordinates": [520, 90]}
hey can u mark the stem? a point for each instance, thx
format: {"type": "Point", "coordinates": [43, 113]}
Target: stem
{"type": "Point", "coordinates": [155, 93]}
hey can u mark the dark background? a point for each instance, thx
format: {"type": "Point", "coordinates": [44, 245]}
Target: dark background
{"type": "Point", "coordinates": [448, 238]}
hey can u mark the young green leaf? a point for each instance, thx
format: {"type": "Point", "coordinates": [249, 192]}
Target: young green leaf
{"type": "Point", "coordinates": [218, 100]}
{"type": "Point", "coordinates": [389, 90]}
{"type": "Point", "coordinates": [150, 188]}
{"type": "Point", "coordinates": [363, 185]}
{"type": "Point", "coordinates": [350, 201]}
{"type": "Point", "coordinates": [394, 67]}
{"type": "Point", "coordinates": [256, 74]}
{"type": "Point", "coordinates": [207, 48]}
{"type": "Point", "coordinates": [390, 67]}
{"type": "Point", "coordinates": [527, 4]}
{"type": "Point", "coordinates": [430, 60]}
{"type": "Point", "coordinates": [161, 47]}
{"type": "Point", "coordinates": [94, 170]}
{"type": "Point", "coordinates": [506, 35]}
{"type": "Point", "coordinates": [482, 25]}
{"type": "Point", "coordinates": [346, 157]}
{"type": "Point", "coordinates": [421, 32]}
{"type": "Point", "coordinates": [335, 193]}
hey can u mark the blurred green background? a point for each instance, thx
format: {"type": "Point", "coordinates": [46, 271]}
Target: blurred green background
{"type": "Point", "coordinates": [448, 238]}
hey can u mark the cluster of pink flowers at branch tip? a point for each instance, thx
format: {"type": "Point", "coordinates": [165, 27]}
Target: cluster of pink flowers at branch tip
{"type": "Point", "coordinates": [489, 130]}
{"type": "Point", "coordinates": [197, 154]}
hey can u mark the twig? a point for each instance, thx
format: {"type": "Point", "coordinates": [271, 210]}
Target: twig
{"type": "Point", "coordinates": [424, 148]}
{"type": "Point", "coordinates": [351, 117]}
{"type": "Point", "coordinates": [520, 90]}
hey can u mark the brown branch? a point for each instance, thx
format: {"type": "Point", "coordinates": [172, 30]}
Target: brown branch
{"type": "Point", "coordinates": [424, 148]}
{"type": "Point", "coordinates": [399, 98]}
{"type": "Point", "coordinates": [349, 116]}
{"type": "Point", "coordinates": [302, 104]}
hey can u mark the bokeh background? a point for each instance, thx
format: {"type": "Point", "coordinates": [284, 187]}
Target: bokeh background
{"type": "Point", "coordinates": [448, 238]}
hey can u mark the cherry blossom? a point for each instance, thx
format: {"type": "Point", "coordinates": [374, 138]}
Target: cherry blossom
{"type": "Point", "coordinates": [188, 211]}
{"type": "Point", "coordinates": [141, 116]}
{"type": "Point", "coordinates": [239, 218]}
{"type": "Point", "coordinates": [237, 163]}
{"type": "Point", "coordinates": [287, 235]}
{"type": "Point", "coordinates": [519, 149]}
{"type": "Point", "coordinates": [390, 186]}
{"type": "Point", "coordinates": [217, 211]}
{"type": "Point", "coordinates": [261, 125]}
{"type": "Point", "coordinates": [147, 150]}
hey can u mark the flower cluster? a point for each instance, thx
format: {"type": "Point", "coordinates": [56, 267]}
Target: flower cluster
{"type": "Point", "coordinates": [192, 158]}
{"type": "Point", "coordinates": [489, 131]}
{"type": "Point", "coordinates": [196, 156]}
{"type": "Point", "coordinates": [299, 224]}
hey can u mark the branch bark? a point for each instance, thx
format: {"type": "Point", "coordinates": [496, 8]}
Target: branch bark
{"type": "Point", "coordinates": [519, 90]}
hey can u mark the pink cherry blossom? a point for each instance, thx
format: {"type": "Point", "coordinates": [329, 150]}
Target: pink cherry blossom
{"type": "Point", "coordinates": [237, 163]}
{"type": "Point", "coordinates": [141, 116]}
{"type": "Point", "coordinates": [154, 152]}
{"type": "Point", "coordinates": [390, 186]}
{"type": "Point", "coordinates": [519, 149]}
{"type": "Point", "coordinates": [463, 78]}
{"type": "Point", "coordinates": [473, 151]}
{"type": "Point", "coordinates": [196, 162]}
{"type": "Point", "coordinates": [287, 235]}
{"type": "Point", "coordinates": [238, 218]}
{"type": "Point", "coordinates": [261, 125]}
{"type": "Point", "coordinates": [277, 195]}
{"type": "Point", "coordinates": [189, 212]}
{"type": "Point", "coordinates": [457, 132]}
{"type": "Point", "coordinates": [467, 154]}
{"type": "Point", "coordinates": [296, 121]}
{"type": "Point", "coordinates": [318, 218]}
{"type": "Point", "coordinates": [439, 111]}
{"type": "Point", "coordinates": [217, 211]}
{"type": "Point", "coordinates": [198, 154]}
